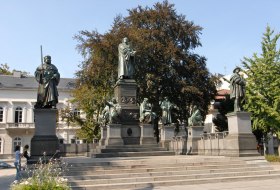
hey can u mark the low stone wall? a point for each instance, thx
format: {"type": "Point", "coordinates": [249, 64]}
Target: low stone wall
{"type": "Point", "coordinates": [212, 143]}
{"type": "Point", "coordinates": [76, 149]}
{"type": "Point", "coordinates": [178, 145]}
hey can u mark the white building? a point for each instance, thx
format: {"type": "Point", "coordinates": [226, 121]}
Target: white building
{"type": "Point", "coordinates": [18, 95]}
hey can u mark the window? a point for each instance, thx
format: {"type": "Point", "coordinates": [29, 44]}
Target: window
{"type": "Point", "coordinates": [1, 146]}
{"type": "Point", "coordinates": [1, 115]}
{"type": "Point", "coordinates": [17, 141]}
{"type": "Point", "coordinates": [18, 115]}
{"type": "Point", "coordinates": [76, 113]}
{"type": "Point", "coordinates": [73, 141]}
{"type": "Point", "coordinates": [61, 141]}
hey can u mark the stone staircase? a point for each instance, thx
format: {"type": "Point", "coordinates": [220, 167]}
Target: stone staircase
{"type": "Point", "coordinates": [129, 151]}
{"type": "Point", "coordinates": [148, 172]}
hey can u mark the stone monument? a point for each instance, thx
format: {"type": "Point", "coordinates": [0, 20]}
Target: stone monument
{"type": "Point", "coordinates": [45, 141]}
{"type": "Point", "coordinates": [166, 127]}
{"type": "Point", "coordinates": [195, 129]}
{"type": "Point", "coordinates": [126, 129]}
{"type": "Point", "coordinates": [146, 119]}
{"type": "Point", "coordinates": [240, 140]}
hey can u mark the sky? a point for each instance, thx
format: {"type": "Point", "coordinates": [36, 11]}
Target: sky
{"type": "Point", "coordinates": [232, 29]}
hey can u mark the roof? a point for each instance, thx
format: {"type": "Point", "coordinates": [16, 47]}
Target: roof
{"type": "Point", "coordinates": [29, 82]}
{"type": "Point", "coordinates": [221, 94]}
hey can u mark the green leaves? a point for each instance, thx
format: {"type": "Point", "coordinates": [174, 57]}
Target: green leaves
{"type": "Point", "coordinates": [263, 84]}
{"type": "Point", "coordinates": [165, 64]}
{"type": "Point", "coordinates": [5, 70]}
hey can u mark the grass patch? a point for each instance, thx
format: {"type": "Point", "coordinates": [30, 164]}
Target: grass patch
{"type": "Point", "coordinates": [272, 158]}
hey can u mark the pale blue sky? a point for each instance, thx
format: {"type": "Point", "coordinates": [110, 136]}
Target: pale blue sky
{"type": "Point", "coordinates": [232, 29]}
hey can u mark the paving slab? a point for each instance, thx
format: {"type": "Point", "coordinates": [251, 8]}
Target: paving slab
{"type": "Point", "coordinates": [241, 185]}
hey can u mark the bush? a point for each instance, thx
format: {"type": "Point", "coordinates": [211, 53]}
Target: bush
{"type": "Point", "coordinates": [272, 158]}
{"type": "Point", "coordinates": [44, 176]}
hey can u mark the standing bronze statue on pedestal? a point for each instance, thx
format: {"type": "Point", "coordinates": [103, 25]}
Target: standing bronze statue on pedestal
{"type": "Point", "coordinates": [237, 89]}
{"type": "Point", "coordinates": [126, 60]}
{"type": "Point", "coordinates": [48, 78]}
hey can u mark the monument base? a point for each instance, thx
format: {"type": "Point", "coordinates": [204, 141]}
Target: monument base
{"type": "Point", "coordinates": [240, 141]}
{"type": "Point", "coordinates": [240, 145]}
{"type": "Point", "coordinates": [194, 135]}
{"type": "Point", "coordinates": [44, 142]}
{"type": "Point", "coordinates": [114, 135]}
{"type": "Point", "coordinates": [103, 135]}
{"type": "Point", "coordinates": [147, 134]}
{"type": "Point", "coordinates": [166, 134]}
{"type": "Point", "coordinates": [44, 148]}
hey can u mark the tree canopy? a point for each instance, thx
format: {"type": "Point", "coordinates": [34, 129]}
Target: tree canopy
{"type": "Point", "coordinates": [263, 82]}
{"type": "Point", "coordinates": [166, 64]}
{"type": "Point", "coordinates": [5, 69]}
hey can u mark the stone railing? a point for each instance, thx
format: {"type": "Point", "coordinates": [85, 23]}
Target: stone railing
{"type": "Point", "coordinates": [62, 125]}
{"type": "Point", "coordinates": [212, 143]}
{"type": "Point", "coordinates": [17, 125]}
{"type": "Point", "coordinates": [3, 125]}
{"type": "Point", "coordinates": [178, 144]}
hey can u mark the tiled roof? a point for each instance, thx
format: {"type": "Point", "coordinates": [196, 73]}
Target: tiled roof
{"type": "Point", "coordinates": [9, 81]}
{"type": "Point", "coordinates": [221, 94]}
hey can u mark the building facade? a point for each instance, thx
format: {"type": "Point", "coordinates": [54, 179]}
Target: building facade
{"type": "Point", "coordinates": [18, 95]}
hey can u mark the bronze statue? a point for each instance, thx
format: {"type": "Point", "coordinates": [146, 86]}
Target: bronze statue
{"type": "Point", "coordinates": [166, 107]}
{"type": "Point", "coordinates": [237, 89]}
{"type": "Point", "coordinates": [114, 111]}
{"type": "Point", "coordinates": [195, 119]}
{"type": "Point", "coordinates": [48, 78]}
{"type": "Point", "coordinates": [146, 114]}
{"type": "Point", "coordinates": [105, 116]}
{"type": "Point", "coordinates": [126, 60]}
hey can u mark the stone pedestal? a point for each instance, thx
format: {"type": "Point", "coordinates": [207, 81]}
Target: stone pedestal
{"type": "Point", "coordinates": [166, 134]}
{"type": "Point", "coordinates": [128, 130]}
{"type": "Point", "coordinates": [125, 94]}
{"type": "Point", "coordinates": [147, 134]}
{"type": "Point", "coordinates": [240, 140]}
{"type": "Point", "coordinates": [103, 135]}
{"type": "Point", "coordinates": [44, 140]}
{"type": "Point", "coordinates": [182, 131]}
{"type": "Point", "coordinates": [131, 134]}
{"type": "Point", "coordinates": [114, 135]}
{"type": "Point", "coordinates": [194, 135]}
{"type": "Point", "coordinates": [178, 144]}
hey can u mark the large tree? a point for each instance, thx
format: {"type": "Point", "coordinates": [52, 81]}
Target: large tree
{"type": "Point", "coordinates": [166, 63]}
{"type": "Point", "coordinates": [263, 84]}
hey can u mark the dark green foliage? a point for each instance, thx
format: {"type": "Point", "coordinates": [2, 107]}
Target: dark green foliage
{"type": "Point", "coordinates": [225, 106]}
{"type": "Point", "coordinates": [166, 64]}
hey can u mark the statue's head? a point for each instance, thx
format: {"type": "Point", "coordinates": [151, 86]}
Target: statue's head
{"type": "Point", "coordinates": [236, 70]}
{"type": "Point", "coordinates": [125, 40]}
{"type": "Point", "coordinates": [47, 59]}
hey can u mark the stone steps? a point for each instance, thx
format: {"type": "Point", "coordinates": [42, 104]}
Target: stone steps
{"type": "Point", "coordinates": [73, 176]}
{"type": "Point", "coordinates": [113, 150]}
{"type": "Point", "coordinates": [143, 185]}
{"type": "Point", "coordinates": [130, 151]}
{"type": "Point", "coordinates": [133, 154]}
{"type": "Point", "coordinates": [157, 168]}
{"type": "Point", "coordinates": [151, 179]}
{"type": "Point", "coordinates": [143, 172]}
